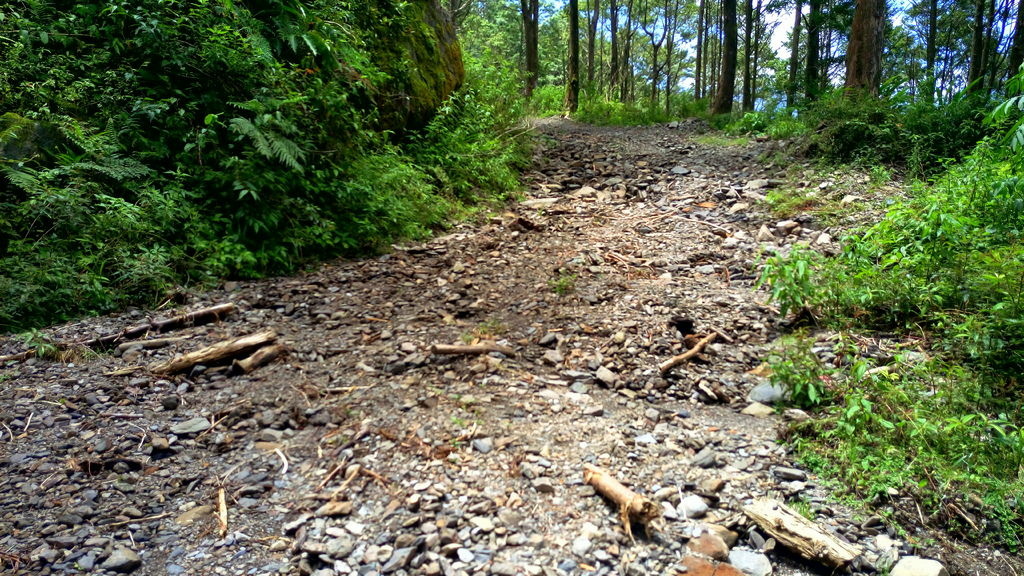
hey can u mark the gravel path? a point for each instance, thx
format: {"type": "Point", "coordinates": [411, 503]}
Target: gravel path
{"type": "Point", "coordinates": [362, 452]}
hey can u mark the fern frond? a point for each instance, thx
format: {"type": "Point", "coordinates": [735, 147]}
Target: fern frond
{"type": "Point", "coordinates": [25, 178]}
{"type": "Point", "coordinates": [270, 143]}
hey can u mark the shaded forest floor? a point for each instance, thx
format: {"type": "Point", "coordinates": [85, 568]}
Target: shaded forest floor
{"type": "Point", "coordinates": [361, 451]}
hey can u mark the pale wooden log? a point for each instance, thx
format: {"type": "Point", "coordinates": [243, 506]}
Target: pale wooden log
{"type": "Point", "coordinates": [801, 535]}
{"type": "Point", "coordinates": [482, 348]}
{"type": "Point", "coordinates": [631, 505]}
{"type": "Point", "coordinates": [258, 358]}
{"type": "Point", "coordinates": [150, 344]}
{"type": "Point", "coordinates": [214, 353]}
{"type": "Point", "coordinates": [686, 356]}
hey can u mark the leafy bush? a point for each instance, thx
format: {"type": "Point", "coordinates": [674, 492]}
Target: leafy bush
{"type": "Point", "coordinates": [595, 109]}
{"type": "Point", "coordinates": [164, 142]}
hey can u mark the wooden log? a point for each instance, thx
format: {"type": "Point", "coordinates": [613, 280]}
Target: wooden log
{"type": "Point", "coordinates": [686, 356]}
{"type": "Point", "coordinates": [150, 344]}
{"type": "Point", "coordinates": [217, 352]}
{"type": "Point", "coordinates": [631, 505]}
{"type": "Point", "coordinates": [258, 358]}
{"type": "Point", "coordinates": [801, 535]}
{"type": "Point", "coordinates": [482, 348]}
{"type": "Point", "coordinates": [196, 318]}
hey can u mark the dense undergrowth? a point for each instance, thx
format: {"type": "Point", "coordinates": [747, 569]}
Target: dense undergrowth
{"type": "Point", "coordinates": [152, 144]}
{"type": "Point", "coordinates": [936, 416]}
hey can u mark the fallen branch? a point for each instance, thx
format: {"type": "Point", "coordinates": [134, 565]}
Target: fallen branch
{"type": "Point", "coordinates": [258, 358]}
{"type": "Point", "coordinates": [686, 356]}
{"type": "Point", "coordinates": [482, 348]}
{"type": "Point", "coordinates": [199, 317]}
{"type": "Point", "coordinates": [801, 535]}
{"type": "Point", "coordinates": [214, 353]}
{"type": "Point", "coordinates": [222, 512]}
{"type": "Point", "coordinates": [631, 504]}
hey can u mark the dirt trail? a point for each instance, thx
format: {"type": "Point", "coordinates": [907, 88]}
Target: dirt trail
{"type": "Point", "coordinates": [361, 452]}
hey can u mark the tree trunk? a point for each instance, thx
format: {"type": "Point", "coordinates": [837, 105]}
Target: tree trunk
{"type": "Point", "coordinates": [531, 18]}
{"type": "Point", "coordinates": [572, 72]}
{"type": "Point", "coordinates": [626, 69]}
{"type": "Point", "coordinates": [1017, 48]}
{"type": "Point", "coordinates": [613, 72]}
{"type": "Point", "coordinates": [931, 50]}
{"type": "Point", "coordinates": [794, 57]}
{"type": "Point", "coordinates": [812, 76]}
{"type": "Point", "coordinates": [975, 72]}
{"type": "Point", "coordinates": [864, 52]}
{"type": "Point", "coordinates": [727, 80]}
{"type": "Point", "coordinates": [755, 65]}
{"type": "Point", "coordinates": [748, 55]}
{"type": "Point", "coordinates": [698, 67]}
{"type": "Point", "coordinates": [595, 15]}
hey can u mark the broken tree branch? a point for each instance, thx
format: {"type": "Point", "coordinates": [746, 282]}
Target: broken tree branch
{"type": "Point", "coordinates": [258, 358]}
{"type": "Point", "coordinates": [800, 535]}
{"type": "Point", "coordinates": [631, 504]}
{"type": "Point", "coordinates": [214, 353]}
{"type": "Point", "coordinates": [482, 348]}
{"type": "Point", "coordinates": [686, 356]}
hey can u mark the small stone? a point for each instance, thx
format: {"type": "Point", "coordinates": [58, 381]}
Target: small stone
{"type": "Point", "coordinates": [170, 402]}
{"type": "Point", "coordinates": [917, 566]}
{"type": "Point", "coordinates": [193, 514]}
{"type": "Point", "coordinates": [646, 439]}
{"type": "Point", "coordinates": [159, 443]}
{"type": "Point", "coordinates": [483, 445]}
{"type": "Point", "coordinates": [400, 558]}
{"type": "Point", "coordinates": [122, 560]}
{"type": "Point", "coordinates": [693, 506]}
{"type": "Point", "coordinates": [484, 523]}
{"type": "Point", "coordinates": [850, 199]}
{"type": "Point", "coordinates": [764, 234]}
{"type": "Point", "coordinates": [758, 184]}
{"type": "Point", "coordinates": [710, 545]}
{"type": "Point", "coordinates": [581, 545]}
{"type": "Point", "coordinates": [696, 566]}
{"type": "Point", "coordinates": [796, 415]}
{"type": "Point", "coordinates": [543, 485]}
{"type": "Point", "coordinates": [750, 563]}
{"type": "Point", "coordinates": [789, 473]}
{"type": "Point", "coordinates": [787, 226]}
{"type": "Point", "coordinates": [824, 239]}
{"type": "Point", "coordinates": [465, 555]}
{"type": "Point", "coordinates": [767, 393]}
{"type": "Point", "coordinates": [727, 536]}
{"type": "Point", "coordinates": [504, 569]}
{"type": "Point", "coordinates": [680, 170]}
{"type": "Point", "coordinates": [191, 426]}
{"type": "Point", "coordinates": [606, 376]}
{"type": "Point", "coordinates": [593, 411]}
{"type": "Point", "coordinates": [705, 269]}
{"type": "Point", "coordinates": [704, 459]}
{"type": "Point", "coordinates": [552, 357]}
{"type": "Point", "coordinates": [759, 410]}
{"type": "Point", "coordinates": [652, 414]}
{"type": "Point", "coordinates": [736, 209]}
{"type": "Point", "coordinates": [335, 509]}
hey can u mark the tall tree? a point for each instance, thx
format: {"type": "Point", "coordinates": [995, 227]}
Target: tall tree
{"type": "Point", "coordinates": [1016, 57]}
{"type": "Point", "coordinates": [812, 73]}
{"type": "Point", "coordinates": [794, 56]}
{"type": "Point", "coordinates": [595, 16]}
{"type": "Point", "coordinates": [613, 24]}
{"type": "Point", "coordinates": [572, 71]}
{"type": "Point", "coordinates": [930, 50]}
{"type": "Point", "coordinates": [748, 55]}
{"type": "Point", "coordinates": [727, 80]}
{"type": "Point", "coordinates": [698, 73]}
{"type": "Point", "coordinates": [864, 51]}
{"type": "Point", "coordinates": [977, 67]}
{"type": "Point", "coordinates": [656, 33]}
{"type": "Point", "coordinates": [531, 20]}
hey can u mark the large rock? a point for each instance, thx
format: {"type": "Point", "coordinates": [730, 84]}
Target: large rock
{"type": "Point", "coordinates": [420, 53]}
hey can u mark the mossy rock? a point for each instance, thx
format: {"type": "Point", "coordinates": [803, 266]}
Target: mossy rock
{"type": "Point", "coordinates": [420, 53]}
{"type": "Point", "coordinates": [22, 139]}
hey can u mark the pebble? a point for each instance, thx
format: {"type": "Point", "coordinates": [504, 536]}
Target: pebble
{"type": "Point", "coordinates": [606, 376]}
{"type": "Point", "coordinates": [750, 563]}
{"type": "Point", "coordinates": [581, 545]}
{"type": "Point", "coordinates": [767, 393]}
{"type": "Point", "coordinates": [191, 426]}
{"type": "Point", "coordinates": [693, 506]}
{"type": "Point", "coordinates": [483, 445]}
{"type": "Point", "coordinates": [122, 560]}
{"type": "Point", "coordinates": [917, 566]}
{"type": "Point", "coordinates": [543, 485]}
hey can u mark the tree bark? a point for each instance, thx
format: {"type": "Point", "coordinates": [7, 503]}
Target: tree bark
{"type": "Point", "coordinates": [864, 52]}
{"type": "Point", "coordinates": [931, 50]}
{"type": "Point", "coordinates": [595, 16]}
{"type": "Point", "coordinates": [572, 72]}
{"type": "Point", "coordinates": [1017, 47]}
{"type": "Point", "coordinates": [698, 66]}
{"type": "Point", "coordinates": [794, 56]}
{"type": "Point", "coordinates": [613, 72]}
{"type": "Point", "coordinates": [625, 69]}
{"type": "Point", "coordinates": [531, 18]}
{"type": "Point", "coordinates": [727, 80]}
{"type": "Point", "coordinates": [748, 56]}
{"type": "Point", "coordinates": [759, 29]}
{"type": "Point", "coordinates": [975, 71]}
{"type": "Point", "coordinates": [812, 75]}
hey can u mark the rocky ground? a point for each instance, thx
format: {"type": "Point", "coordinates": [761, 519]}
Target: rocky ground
{"type": "Point", "coordinates": [362, 452]}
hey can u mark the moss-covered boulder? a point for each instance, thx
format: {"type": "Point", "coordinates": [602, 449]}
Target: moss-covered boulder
{"type": "Point", "coordinates": [22, 138]}
{"type": "Point", "coordinates": [420, 53]}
